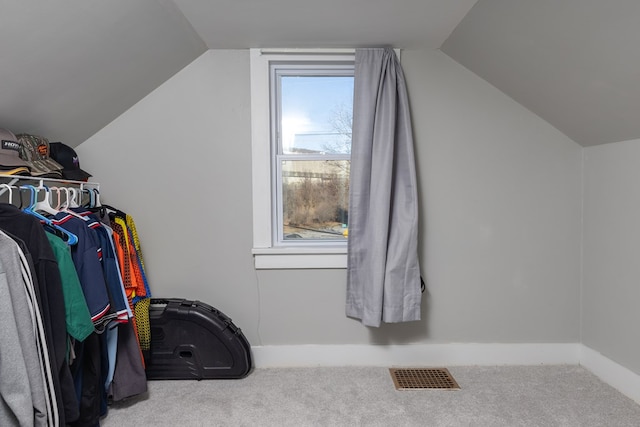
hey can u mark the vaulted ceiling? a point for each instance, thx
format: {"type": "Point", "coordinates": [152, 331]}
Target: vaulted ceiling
{"type": "Point", "coordinates": [70, 67]}
{"type": "Point", "coordinates": [575, 63]}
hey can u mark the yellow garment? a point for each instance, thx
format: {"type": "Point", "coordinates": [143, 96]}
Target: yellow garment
{"type": "Point", "coordinates": [142, 306]}
{"type": "Point", "coordinates": [141, 309]}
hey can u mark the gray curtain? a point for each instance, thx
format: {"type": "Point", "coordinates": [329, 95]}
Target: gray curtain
{"type": "Point", "coordinates": [383, 275]}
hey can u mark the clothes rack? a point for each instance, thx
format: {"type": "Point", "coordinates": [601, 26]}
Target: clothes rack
{"type": "Point", "coordinates": [14, 179]}
{"type": "Point", "coordinates": [91, 293]}
{"type": "Point", "coordinates": [88, 188]}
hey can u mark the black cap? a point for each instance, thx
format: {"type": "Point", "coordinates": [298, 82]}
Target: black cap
{"type": "Point", "coordinates": [68, 159]}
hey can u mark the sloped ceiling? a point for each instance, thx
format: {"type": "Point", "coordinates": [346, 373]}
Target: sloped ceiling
{"type": "Point", "coordinates": [70, 67]}
{"type": "Point", "coordinates": [327, 23]}
{"type": "Point", "coordinates": [575, 63]}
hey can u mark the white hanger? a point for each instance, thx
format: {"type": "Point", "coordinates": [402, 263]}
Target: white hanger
{"type": "Point", "coordinates": [8, 187]}
{"type": "Point", "coordinates": [43, 205]}
{"type": "Point", "coordinates": [73, 201]}
{"type": "Point", "coordinates": [58, 191]}
{"type": "Point", "coordinates": [71, 197]}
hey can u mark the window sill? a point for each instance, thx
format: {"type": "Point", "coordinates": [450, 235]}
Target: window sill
{"type": "Point", "coordinates": [299, 258]}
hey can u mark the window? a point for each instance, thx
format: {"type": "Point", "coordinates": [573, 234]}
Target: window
{"type": "Point", "coordinates": [301, 141]}
{"type": "Point", "coordinates": [311, 139]}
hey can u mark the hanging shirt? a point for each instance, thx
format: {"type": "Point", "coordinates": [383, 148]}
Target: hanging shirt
{"type": "Point", "coordinates": [118, 268]}
{"type": "Point", "coordinates": [22, 389]}
{"type": "Point", "coordinates": [46, 279]}
{"type": "Point", "coordinates": [134, 281]}
{"type": "Point", "coordinates": [128, 261]}
{"type": "Point", "coordinates": [109, 264]}
{"type": "Point", "coordinates": [135, 241]}
{"type": "Point", "coordinates": [86, 257]}
{"type": "Point", "coordinates": [142, 303]}
{"type": "Point", "coordinates": [78, 318]}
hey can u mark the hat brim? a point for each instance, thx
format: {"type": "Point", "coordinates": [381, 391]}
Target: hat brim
{"type": "Point", "coordinates": [40, 170]}
{"type": "Point", "coordinates": [36, 169]}
{"type": "Point", "coordinates": [20, 170]}
{"type": "Point", "coordinates": [7, 160]}
{"type": "Point", "coordinates": [52, 164]}
{"type": "Point", "coordinates": [76, 174]}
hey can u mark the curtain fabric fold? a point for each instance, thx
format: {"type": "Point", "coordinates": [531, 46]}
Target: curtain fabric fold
{"type": "Point", "coordinates": [383, 274]}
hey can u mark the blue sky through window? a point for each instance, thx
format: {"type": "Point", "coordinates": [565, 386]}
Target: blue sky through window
{"type": "Point", "coordinates": [315, 111]}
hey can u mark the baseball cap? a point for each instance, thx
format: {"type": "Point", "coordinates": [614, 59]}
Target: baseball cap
{"type": "Point", "coordinates": [67, 157]}
{"type": "Point", "coordinates": [35, 151]}
{"type": "Point", "coordinates": [10, 170]}
{"type": "Point", "coordinates": [10, 160]}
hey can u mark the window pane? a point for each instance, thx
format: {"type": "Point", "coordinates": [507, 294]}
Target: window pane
{"type": "Point", "coordinates": [315, 199]}
{"type": "Point", "coordinates": [316, 114]}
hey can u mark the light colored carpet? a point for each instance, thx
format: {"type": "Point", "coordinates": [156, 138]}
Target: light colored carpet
{"type": "Point", "coordinates": [365, 396]}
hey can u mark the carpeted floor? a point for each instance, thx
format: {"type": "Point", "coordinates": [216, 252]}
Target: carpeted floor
{"type": "Point", "coordinates": [366, 396]}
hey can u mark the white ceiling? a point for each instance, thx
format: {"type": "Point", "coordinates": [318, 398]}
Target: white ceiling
{"type": "Point", "coordinates": [69, 67]}
{"type": "Point", "coordinates": [328, 23]}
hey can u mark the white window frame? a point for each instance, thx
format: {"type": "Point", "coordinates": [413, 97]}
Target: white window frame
{"type": "Point", "coordinates": [267, 254]}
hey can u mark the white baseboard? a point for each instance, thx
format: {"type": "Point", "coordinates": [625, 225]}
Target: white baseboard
{"type": "Point", "coordinates": [607, 370]}
{"type": "Point", "coordinates": [617, 376]}
{"type": "Point", "coordinates": [415, 355]}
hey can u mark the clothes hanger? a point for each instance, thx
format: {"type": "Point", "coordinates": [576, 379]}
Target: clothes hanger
{"type": "Point", "coordinates": [72, 239]}
{"type": "Point", "coordinates": [20, 195]}
{"type": "Point", "coordinates": [94, 198]}
{"type": "Point", "coordinates": [91, 201]}
{"type": "Point", "coordinates": [104, 208]}
{"type": "Point", "coordinates": [67, 192]}
{"type": "Point", "coordinates": [58, 193]}
{"type": "Point", "coordinates": [43, 205]}
{"type": "Point", "coordinates": [73, 201]}
{"type": "Point", "coordinates": [108, 209]}
{"type": "Point", "coordinates": [98, 207]}
{"type": "Point", "coordinates": [66, 207]}
{"type": "Point", "coordinates": [10, 190]}
{"type": "Point", "coordinates": [96, 192]}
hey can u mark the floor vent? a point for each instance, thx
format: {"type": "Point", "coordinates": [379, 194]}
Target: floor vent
{"type": "Point", "coordinates": [423, 379]}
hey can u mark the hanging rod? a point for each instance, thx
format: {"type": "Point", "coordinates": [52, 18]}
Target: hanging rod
{"type": "Point", "coordinates": [14, 179]}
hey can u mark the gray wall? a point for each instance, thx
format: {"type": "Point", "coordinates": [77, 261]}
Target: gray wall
{"type": "Point", "coordinates": [611, 286]}
{"type": "Point", "coordinates": [500, 195]}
